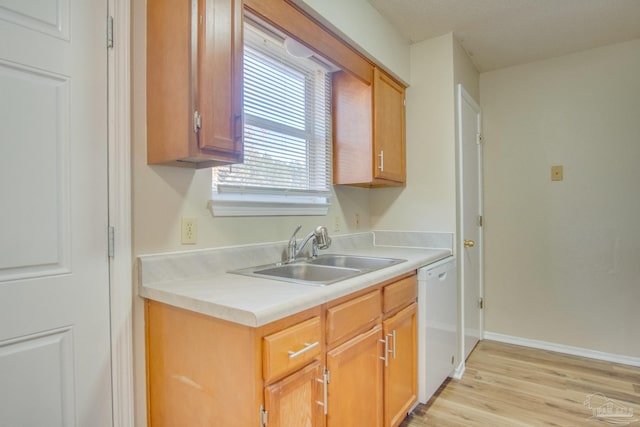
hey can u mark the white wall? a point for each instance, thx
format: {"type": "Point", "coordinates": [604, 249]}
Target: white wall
{"type": "Point", "coordinates": [363, 25]}
{"type": "Point", "coordinates": [563, 258]}
{"type": "Point", "coordinates": [428, 202]}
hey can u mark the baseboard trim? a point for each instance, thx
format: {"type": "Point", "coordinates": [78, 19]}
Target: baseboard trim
{"type": "Point", "coordinates": [458, 372]}
{"type": "Point", "coordinates": [561, 348]}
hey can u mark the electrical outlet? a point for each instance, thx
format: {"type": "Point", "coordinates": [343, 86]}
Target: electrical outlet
{"type": "Point", "coordinates": [189, 231]}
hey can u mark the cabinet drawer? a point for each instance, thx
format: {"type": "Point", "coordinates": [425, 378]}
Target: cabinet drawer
{"type": "Point", "coordinates": [400, 293]}
{"type": "Point", "coordinates": [350, 317]}
{"type": "Point", "coordinates": [291, 348]}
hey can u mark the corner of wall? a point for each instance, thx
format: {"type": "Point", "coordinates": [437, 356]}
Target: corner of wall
{"type": "Point", "coordinates": [361, 24]}
{"type": "Point", "coordinates": [465, 71]}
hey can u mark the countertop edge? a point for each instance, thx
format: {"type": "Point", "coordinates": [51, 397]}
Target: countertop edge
{"type": "Point", "coordinates": [255, 302]}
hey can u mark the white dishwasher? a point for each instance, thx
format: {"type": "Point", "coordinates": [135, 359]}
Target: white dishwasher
{"type": "Point", "coordinates": [437, 325]}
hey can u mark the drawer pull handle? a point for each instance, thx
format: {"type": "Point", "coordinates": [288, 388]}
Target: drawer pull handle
{"type": "Point", "coordinates": [307, 347]}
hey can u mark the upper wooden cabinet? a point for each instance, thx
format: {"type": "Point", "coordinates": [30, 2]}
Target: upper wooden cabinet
{"type": "Point", "coordinates": [194, 82]}
{"type": "Point", "coordinates": [369, 131]}
{"type": "Point", "coordinates": [388, 129]}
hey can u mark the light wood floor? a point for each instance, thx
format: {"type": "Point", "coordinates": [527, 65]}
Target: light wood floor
{"type": "Point", "coordinates": [508, 385]}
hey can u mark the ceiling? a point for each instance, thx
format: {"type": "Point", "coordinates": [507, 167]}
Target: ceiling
{"type": "Point", "coordinates": [502, 33]}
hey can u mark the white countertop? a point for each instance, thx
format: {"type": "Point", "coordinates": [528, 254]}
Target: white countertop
{"type": "Point", "coordinates": [253, 301]}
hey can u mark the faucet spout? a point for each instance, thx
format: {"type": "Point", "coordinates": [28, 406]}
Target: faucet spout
{"type": "Point", "coordinates": [314, 245]}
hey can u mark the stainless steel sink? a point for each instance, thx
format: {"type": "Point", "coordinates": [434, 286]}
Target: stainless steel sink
{"type": "Point", "coordinates": [353, 261]}
{"type": "Point", "coordinates": [304, 272]}
{"type": "Point", "coordinates": [320, 271]}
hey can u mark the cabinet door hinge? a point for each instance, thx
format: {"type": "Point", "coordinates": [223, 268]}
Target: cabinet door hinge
{"type": "Point", "coordinates": [481, 303]}
{"type": "Point", "coordinates": [111, 240]}
{"type": "Point", "coordinates": [479, 138]}
{"type": "Point", "coordinates": [197, 121]}
{"type": "Point", "coordinates": [480, 221]}
{"type": "Point", "coordinates": [264, 416]}
{"type": "Point", "coordinates": [109, 32]}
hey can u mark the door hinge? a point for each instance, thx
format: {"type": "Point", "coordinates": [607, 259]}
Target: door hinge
{"type": "Point", "coordinates": [109, 32]}
{"type": "Point", "coordinates": [481, 303]}
{"type": "Point", "coordinates": [111, 239]}
{"type": "Point", "coordinates": [197, 121]}
{"type": "Point", "coordinates": [479, 138]}
{"type": "Point", "coordinates": [264, 416]}
{"type": "Point", "coordinates": [479, 220]}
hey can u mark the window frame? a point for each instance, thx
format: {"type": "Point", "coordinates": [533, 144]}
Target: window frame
{"type": "Point", "coordinates": [230, 200]}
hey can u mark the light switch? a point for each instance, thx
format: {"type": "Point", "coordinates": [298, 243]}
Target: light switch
{"type": "Point", "coordinates": [556, 173]}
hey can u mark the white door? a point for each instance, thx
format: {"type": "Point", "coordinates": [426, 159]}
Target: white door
{"type": "Point", "coordinates": [470, 226]}
{"type": "Point", "coordinates": [54, 283]}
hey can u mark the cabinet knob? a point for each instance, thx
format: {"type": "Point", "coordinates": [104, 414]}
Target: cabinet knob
{"type": "Point", "coordinates": [469, 243]}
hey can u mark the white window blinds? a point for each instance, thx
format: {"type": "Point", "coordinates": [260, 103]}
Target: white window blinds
{"type": "Point", "coordinates": [287, 126]}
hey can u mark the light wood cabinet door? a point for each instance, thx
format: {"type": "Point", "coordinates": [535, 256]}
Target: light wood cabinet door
{"type": "Point", "coordinates": [297, 400]}
{"type": "Point", "coordinates": [220, 76]}
{"type": "Point", "coordinates": [388, 128]}
{"type": "Point", "coordinates": [369, 131]}
{"type": "Point", "coordinates": [400, 375]}
{"type": "Point", "coordinates": [194, 82]}
{"type": "Point", "coordinates": [355, 381]}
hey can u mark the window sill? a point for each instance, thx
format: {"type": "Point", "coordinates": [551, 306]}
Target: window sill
{"type": "Point", "coordinates": [244, 205]}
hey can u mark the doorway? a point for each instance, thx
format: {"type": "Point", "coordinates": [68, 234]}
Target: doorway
{"type": "Point", "coordinates": [469, 243]}
{"type": "Point", "coordinates": [55, 352]}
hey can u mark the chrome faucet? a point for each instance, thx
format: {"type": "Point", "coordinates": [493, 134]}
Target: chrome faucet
{"type": "Point", "coordinates": [319, 240]}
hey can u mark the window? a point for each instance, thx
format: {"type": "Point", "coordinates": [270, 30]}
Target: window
{"type": "Point", "coordinates": [287, 134]}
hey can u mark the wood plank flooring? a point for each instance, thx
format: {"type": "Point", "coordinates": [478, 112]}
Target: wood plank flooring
{"type": "Point", "coordinates": [509, 385]}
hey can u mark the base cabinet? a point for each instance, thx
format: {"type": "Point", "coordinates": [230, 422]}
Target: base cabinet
{"type": "Point", "coordinates": [400, 375]}
{"type": "Point", "coordinates": [355, 382]}
{"type": "Point", "coordinates": [321, 367]}
{"type": "Point", "coordinates": [297, 400]}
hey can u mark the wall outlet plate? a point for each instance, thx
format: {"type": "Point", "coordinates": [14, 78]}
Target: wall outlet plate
{"type": "Point", "coordinates": [189, 231]}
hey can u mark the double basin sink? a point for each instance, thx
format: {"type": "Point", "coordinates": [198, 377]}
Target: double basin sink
{"type": "Point", "coordinates": [320, 271]}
